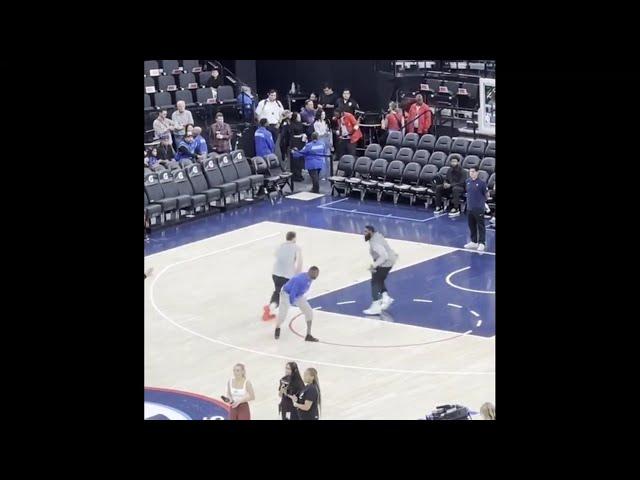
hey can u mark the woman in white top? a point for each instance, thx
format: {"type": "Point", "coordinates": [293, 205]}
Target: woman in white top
{"type": "Point", "coordinates": [240, 392]}
{"type": "Point", "coordinates": [321, 127]}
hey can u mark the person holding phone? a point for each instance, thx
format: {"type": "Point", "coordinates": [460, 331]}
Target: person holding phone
{"type": "Point", "coordinates": [290, 384]}
{"type": "Point", "coordinates": [239, 394]}
{"type": "Point", "coordinates": [309, 402]}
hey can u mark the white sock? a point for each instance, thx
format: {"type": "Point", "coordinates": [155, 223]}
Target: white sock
{"type": "Point", "coordinates": [272, 307]}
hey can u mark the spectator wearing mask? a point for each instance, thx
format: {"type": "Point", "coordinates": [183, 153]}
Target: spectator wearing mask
{"type": "Point", "coordinates": [201, 148]}
{"type": "Point", "coordinates": [322, 128]}
{"type": "Point", "coordinates": [346, 103]}
{"type": "Point", "coordinates": [245, 100]}
{"type": "Point", "coordinates": [264, 140]}
{"type": "Point", "coordinates": [476, 198]}
{"type": "Point", "coordinates": [186, 149]}
{"type": "Point", "coordinates": [313, 154]}
{"type": "Point", "coordinates": [162, 124]}
{"type": "Point", "coordinates": [181, 118]}
{"type": "Point", "coordinates": [297, 140]}
{"type": "Point", "coordinates": [215, 80]}
{"type": "Point", "coordinates": [419, 117]}
{"type": "Point", "coordinates": [348, 133]}
{"type": "Point", "coordinates": [394, 121]}
{"type": "Point", "coordinates": [220, 135]}
{"type": "Point", "coordinates": [453, 185]}
{"type": "Point", "coordinates": [308, 116]}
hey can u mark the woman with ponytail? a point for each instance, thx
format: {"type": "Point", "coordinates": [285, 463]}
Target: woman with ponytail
{"type": "Point", "coordinates": [290, 384]}
{"type": "Point", "coordinates": [309, 402]}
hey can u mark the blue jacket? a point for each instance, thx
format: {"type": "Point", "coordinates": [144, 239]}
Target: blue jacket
{"type": "Point", "coordinates": [297, 286]}
{"type": "Point", "coordinates": [201, 145]}
{"type": "Point", "coordinates": [313, 153]}
{"type": "Point", "coordinates": [264, 142]}
{"type": "Point", "coordinates": [245, 100]}
{"type": "Point", "coordinates": [190, 146]}
{"type": "Point", "coordinates": [476, 195]}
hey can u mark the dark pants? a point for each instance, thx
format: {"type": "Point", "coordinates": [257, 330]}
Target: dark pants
{"type": "Point", "coordinates": [274, 131]}
{"type": "Point", "coordinates": [279, 283]}
{"type": "Point", "coordinates": [377, 282]}
{"type": "Point", "coordinates": [315, 179]}
{"type": "Point", "coordinates": [293, 415]}
{"type": "Point", "coordinates": [454, 191]}
{"type": "Point", "coordinates": [476, 225]}
{"type": "Point", "coordinates": [297, 164]}
{"type": "Point", "coordinates": [345, 147]}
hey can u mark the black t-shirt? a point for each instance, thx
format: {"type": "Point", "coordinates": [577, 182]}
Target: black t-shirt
{"type": "Point", "coordinates": [286, 404]}
{"type": "Point", "coordinates": [328, 99]}
{"type": "Point", "coordinates": [215, 82]}
{"type": "Point", "coordinates": [349, 106]}
{"type": "Point", "coordinates": [310, 393]}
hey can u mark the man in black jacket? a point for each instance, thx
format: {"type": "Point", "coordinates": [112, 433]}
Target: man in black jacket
{"type": "Point", "coordinates": [454, 186]}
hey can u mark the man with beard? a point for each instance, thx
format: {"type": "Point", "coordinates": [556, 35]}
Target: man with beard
{"type": "Point", "coordinates": [453, 185]}
{"type": "Point", "coordinates": [383, 260]}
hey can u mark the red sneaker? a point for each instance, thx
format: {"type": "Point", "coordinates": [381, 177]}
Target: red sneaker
{"type": "Point", "coordinates": [266, 314]}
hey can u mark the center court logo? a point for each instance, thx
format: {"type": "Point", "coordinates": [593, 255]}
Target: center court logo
{"type": "Point", "coordinates": [166, 404]}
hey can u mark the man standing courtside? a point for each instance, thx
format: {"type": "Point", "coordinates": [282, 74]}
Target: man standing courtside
{"type": "Point", "coordinates": [288, 263]}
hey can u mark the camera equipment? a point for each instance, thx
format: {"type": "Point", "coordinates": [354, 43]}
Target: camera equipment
{"type": "Point", "coordinates": [449, 412]}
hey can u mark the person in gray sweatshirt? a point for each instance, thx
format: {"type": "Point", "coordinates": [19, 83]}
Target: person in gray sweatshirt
{"type": "Point", "coordinates": [383, 260]}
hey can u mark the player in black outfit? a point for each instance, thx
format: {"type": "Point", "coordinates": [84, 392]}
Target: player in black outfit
{"type": "Point", "coordinates": [309, 402]}
{"type": "Point", "coordinates": [290, 384]}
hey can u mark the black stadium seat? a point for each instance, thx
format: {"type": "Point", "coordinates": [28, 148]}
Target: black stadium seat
{"type": "Point", "coordinates": [477, 147]}
{"type": "Point", "coordinates": [425, 188]}
{"type": "Point", "coordinates": [471, 161]}
{"type": "Point", "coordinates": [389, 153]}
{"type": "Point", "coordinates": [460, 145]}
{"type": "Point", "coordinates": [491, 150]}
{"type": "Point", "coordinates": [150, 65]}
{"type": "Point", "coordinates": [181, 180]}
{"type": "Point", "coordinates": [373, 151]}
{"type": "Point", "coordinates": [411, 140]}
{"type": "Point", "coordinates": [361, 170]}
{"type": "Point", "coordinates": [169, 66]}
{"type": "Point", "coordinates": [147, 103]}
{"type": "Point", "coordinates": [170, 189]}
{"type": "Point", "coordinates": [230, 175]}
{"type": "Point", "coordinates": [162, 100]}
{"type": "Point", "coordinates": [204, 77]}
{"type": "Point", "coordinates": [427, 142]}
{"type": "Point", "coordinates": [443, 144]}
{"type": "Point", "coordinates": [488, 164]}
{"type": "Point", "coordinates": [186, 79]}
{"type": "Point", "coordinates": [152, 211]}
{"type": "Point", "coordinates": [394, 138]}
{"type": "Point", "coordinates": [377, 174]}
{"type": "Point", "coordinates": [203, 95]}
{"type": "Point", "coordinates": [149, 82]}
{"type": "Point", "coordinates": [215, 179]}
{"type": "Point", "coordinates": [275, 169]}
{"type": "Point", "coordinates": [484, 176]}
{"type": "Point", "coordinates": [344, 170]}
{"type": "Point", "coordinates": [421, 157]}
{"type": "Point", "coordinates": [393, 177]}
{"type": "Point", "coordinates": [405, 155]}
{"type": "Point", "coordinates": [165, 82]}
{"type": "Point", "coordinates": [274, 178]}
{"type": "Point", "coordinates": [438, 159]}
{"type": "Point", "coordinates": [186, 96]}
{"type": "Point", "coordinates": [244, 170]}
{"type": "Point", "coordinates": [189, 65]}
{"type": "Point", "coordinates": [410, 177]}
{"type": "Point", "coordinates": [225, 94]}
{"type": "Point", "coordinates": [199, 183]}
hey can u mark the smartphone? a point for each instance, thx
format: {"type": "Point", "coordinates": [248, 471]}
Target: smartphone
{"type": "Point", "coordinates": [225, 399]}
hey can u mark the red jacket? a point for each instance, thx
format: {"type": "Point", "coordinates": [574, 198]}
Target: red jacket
{"type": "Point", "coordinates": [424, 122]}
{"type": "Point", "coordinates": [350, 124]}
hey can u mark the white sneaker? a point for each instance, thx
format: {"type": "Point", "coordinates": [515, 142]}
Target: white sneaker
{"type": "Point", "coordinates": [481, 247]}
{"type": "Point", "coordinates": [374, 309]}
{"type": "Point", "coordinates": [386, 301]}
{"type": "Point", "coordinates": [471, 245]}
{"type": "Point", "coordinates": [454, 213]}
{"type": "Point", "coordinates": [492, 221]}
{"type": "Point", "coordinates": [438, 210]}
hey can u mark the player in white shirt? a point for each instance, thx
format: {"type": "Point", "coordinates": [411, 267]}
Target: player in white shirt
{"type": "Point", "coordinates": [288, 263]}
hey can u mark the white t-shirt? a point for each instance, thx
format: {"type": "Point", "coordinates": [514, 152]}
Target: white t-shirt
{"type": "Point", "coordinates": [272, 111]}
{"type": "Point", "coordinates": [287, 256]}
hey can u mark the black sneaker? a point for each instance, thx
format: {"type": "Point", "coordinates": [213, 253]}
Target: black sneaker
{"type": "Point", "coordinates": [277, 334]}
{"type": "Point", "coordinates": [309, 338]}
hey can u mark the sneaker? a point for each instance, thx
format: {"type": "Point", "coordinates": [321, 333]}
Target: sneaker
{"type": "Point", "coordinates": [471, 245]}
{"type": "Point", "coordinates": [438, 210]}
{"type": "Point", "coordinates": [481, 247]}
{"type": "Point", "coordinates": [492, 221]}
{"type": "Point", "coordinates": [277, 334]}
{"type": "Point", "coordinates": [386, 301]}
{"type": "Point", "coordinates": [454, 212]}
{"type": "Point", "coordinates": [309, 338]}
{"type": "Point", "coordinates": [374, 309]}
{"type": "Point", "coordinates": [266, 314]}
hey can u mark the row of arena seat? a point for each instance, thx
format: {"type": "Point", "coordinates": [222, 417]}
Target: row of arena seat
{"type": "Point", "coordinates": [217, 180]}
{"type": "Point", "coordinates": [444, 143]}
{"type": "Point", "coordinates": [396, 178]}
{"type": "Point", "coordinates": [169, 66]}
{"type": "Point", "coordinates": [192, 98]}
{"type": "Point", "coordinates": [423, 157]}
{"type": "Point", "coordinates": [167, 83]}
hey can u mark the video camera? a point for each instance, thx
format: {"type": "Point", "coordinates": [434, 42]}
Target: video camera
{"type": "Point", "coordinates": [449, 412]}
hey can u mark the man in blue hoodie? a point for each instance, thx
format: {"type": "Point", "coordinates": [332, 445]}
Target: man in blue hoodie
{"type": "Point", "coordinates": [313, 153]}
{"type": "Point", "coordinates": [293, 293]}
{"type": "Point", "coordinates": [186, 148]}
{"type": "Point", "coordinates": [264, 140]}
